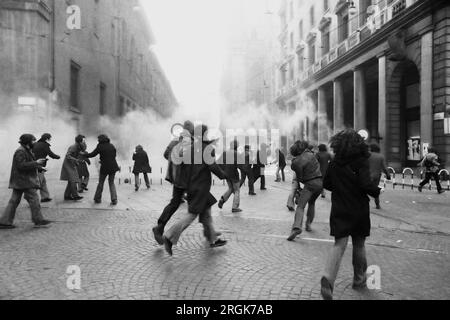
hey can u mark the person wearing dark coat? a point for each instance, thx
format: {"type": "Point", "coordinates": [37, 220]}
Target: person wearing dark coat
{"type": "Point", "coordinates": [281, 159]}
{"type": "Point", "coordinates": [307, 171]}
{"type": "Point", "coordinates": [377, 165]}
{"type": "Point", "coordinates": [69, 171]}
{"type": "Point", "coordinates": [260, 166]}
{"type": "Point", "coordinates": [229, 161]}
{"type": "Point", "coordinates": [41, 150]}
{"type": "Point", "coordinates": [83, 171]}
{"type": "Point", "coordinates": [200, 199]}
{"type": "Point", "coordinates": [324, 158]}
{"type": "Point", "coordinates": [141, 165]}
{"type": "Point", "coordinates": [177, 175]}
{"type": "Point", "coordinates": [348, 179]}
{"type": "Point", "coordinates": [108, 168]}
{"type": "Point", "coordinates": [24, 181]}
{"type": "Point", "coordinates": [247, 172]}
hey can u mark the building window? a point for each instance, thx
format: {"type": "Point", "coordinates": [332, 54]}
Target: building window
{"type": "Point", "coordinates": [325, 40]}
{"type": "Point", "coordinates": [311, 16]}
{"type": "Point", "coordinates": [343, 26]}
{"type": "Point", "coordinates": [326, 5]}
{"type": "Point", "coordinates": [102, 101]}
{"type": "Point", "coordinates": [312, 53]}
{"type": "Point", "coordinates": [300, 30]}
{"type": "Point", "coordinates": [75, 85]}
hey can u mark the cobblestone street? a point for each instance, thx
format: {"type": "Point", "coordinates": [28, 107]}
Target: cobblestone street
{"type": "Point", "coordinates": [119, 259]}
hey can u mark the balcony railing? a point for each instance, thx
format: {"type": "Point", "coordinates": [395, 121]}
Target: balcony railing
{"type": "Point", "coordinates": [374, 23]}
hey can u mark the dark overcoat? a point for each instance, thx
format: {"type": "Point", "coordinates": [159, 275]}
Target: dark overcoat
{"type": "Point", "coordinates": [41, 150]}
{"type": "Point", "coordinates": [24, 171]}
{"type": "Point", "coordinates": [69, 171]}
{"type": "Point", "coordinates": [141, 163]}
{"type": "Point", "coordinates": [199, 196]}
{"type": "Point", "coordinates": [350, 184]}
{"type": "Point", "coordinates": [108, 153]}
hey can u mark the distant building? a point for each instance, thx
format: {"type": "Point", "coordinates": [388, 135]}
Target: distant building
{"type": "Point", "coordinates": [376, 65]}
{"type": "Point", "coordinates": [104, 68]}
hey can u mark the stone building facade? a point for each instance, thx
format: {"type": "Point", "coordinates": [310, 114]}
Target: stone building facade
{"type": "Point", "coordinates": [105, 67]}
{"type": "Point", "coordinates": [382, 66]}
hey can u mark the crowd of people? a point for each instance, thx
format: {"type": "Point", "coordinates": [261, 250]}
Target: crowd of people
{"type": "Point", "coordinates": [352, 173]}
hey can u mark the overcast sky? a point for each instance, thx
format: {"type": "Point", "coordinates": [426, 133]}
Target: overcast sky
{"type": "Point", "coordinates": [191, 41]}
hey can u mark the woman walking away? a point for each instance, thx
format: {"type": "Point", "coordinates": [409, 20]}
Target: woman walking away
{"type": "Point", "coordinates": [281, 159]}
{"type": "Point", "coordinates": [307, 172]}
{"type": "Point", "coordinates": [200, 199]}
{"type": "Point", "coordinates": [348, 179]}
{"type": "Point", "coordinates": [431, 165]}
{"type": "Point", "coordinates": [141, 165]}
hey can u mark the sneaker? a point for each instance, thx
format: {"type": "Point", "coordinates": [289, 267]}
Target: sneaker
{"type": "Point", "coordinates": [7, 227]}
{"type": "Point", "coordinates": [236, 210]}
{"type": "Point", "coordinates": [97, 201]}
{"type": "Point", "coordinates": [114, 203]}
{"type": "Point", "coordinates": [42, 224]}
{"type": "Point", "coordinates": [218, 243]}
{"type": "Point", "coordinates": [294, 234]}
{"type": "Point", "coordinates": [252, 194]}
{"type": "Point", "coordinates": [168, 246]}
{"type": "Point", "coordinates": [136, 189]}
{"type": "Point", "coordinates": [326, 289]}
{"type": "Point", "coordinates": [85, 189]}
{"type": "Point", "coordinates": [77, 198]}
{"type": "Point", "coordinates": [46, 200]}
{"type": "Point", "coordinates": [378, 207]}
{"type": "Point", "coordinates": [441, 191]}
{"type": "Point", "coordinates": [148, 187]}
{"type": "Point", "coordinates": [221, 203]}
{"type": "Point", "coordinates": [263, 189]}
{"type": "Point", "coordinates": [290, 208]}
{"type": "Point", "coordinates": [419, 188]}
{"type": "Point", "coordinates": [360, 286]}
{"type": "Point", "coordinates": [308, 228]}
{"type": "Point", "coordinates": [158, 235]}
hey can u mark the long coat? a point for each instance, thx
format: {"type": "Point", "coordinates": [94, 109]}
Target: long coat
{"type": "Point", "coordinates": [141, 163]}
{"type": "Point", "coordinates": [350, 185]}
{"type": "Point", "coordinates": [199, 196]}
{"type": "Point", "coordinates": [24, 171]}
{"type": "Point", "coordinates": [107, 152]}
{"type": "Point", "coordinates": [69, 171]}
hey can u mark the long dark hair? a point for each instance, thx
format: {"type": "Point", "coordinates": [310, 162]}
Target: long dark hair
{"type": "Point", "coordinates": [348, 145]}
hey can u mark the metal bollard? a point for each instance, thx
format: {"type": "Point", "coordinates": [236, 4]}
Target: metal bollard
{"type": "Point", "coordinates": [393, 177]}
{"type": "Point", "coordinates": [412, 177]}
{"type": "Point", "coordinates": [448, 177]}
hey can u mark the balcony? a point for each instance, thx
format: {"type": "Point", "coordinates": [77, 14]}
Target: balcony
{"type": "Point", "coordinates": [374, 23]}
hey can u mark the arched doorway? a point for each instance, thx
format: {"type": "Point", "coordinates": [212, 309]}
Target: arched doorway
{"type": "Point", "coordinates": [404, 138]}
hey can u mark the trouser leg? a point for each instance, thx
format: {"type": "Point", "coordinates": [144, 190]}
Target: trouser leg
{"type": "Point", "coordinates": [99, 191]}
{"type": "Point", "coordinates": [136, 180]}
{"type": "Point", "coordinates": [147, 180]}
{"type": "Point", "coordinates": [426, 180]}
{"type": "Point", "coordinates": [67, 191]}
{"type": "Point", "coordinates": [32, 198]}
{"type": "Point", "coordinates": [243, 177]}
{"type": "Point", "coordinates": [112, 187]}
{"type": "Point", "coordinates": [174, 233]}
{"type": "Point", "coordinates": [73, 189]}
{"type": "Point", "coordinates": [359, 260]}
{"type": "Point", "coordinates": [44, 189]}
{"type": "Point", "coordinates": [277, 174]}
{"type": "Point", "coordinates": [305, 196]}
{"type": "Point", "coordinates": [208, 227]}
{"type": "Point", "coordinates": [263, 181]}
{"type": "Point", "coordinates": [10, 211]}
{"type": "Point", "coordinates": [171, 208]}
{"type": "Point", "coordinates": [237, 195]}
{"type": "Point", "coordinates": [294, 186]}
{"type": "Point", "coordinates": [311, 213]}
{"type": "Point", "coordinates": [229, 192]}
{"type": "Point", "coordinates": [436, 180]}
{"type": "Point", "coordinates": [334, 260]}
{"type": "Point", "coordinates": [251, 183]}
{"type": "Point", "coordinates": [283, 176]}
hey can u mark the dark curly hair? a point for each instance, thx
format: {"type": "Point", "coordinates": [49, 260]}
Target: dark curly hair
{"type": "Point", "coordinates": [299, 147]}
{"type": "Point", "coordinates": [349, 145]}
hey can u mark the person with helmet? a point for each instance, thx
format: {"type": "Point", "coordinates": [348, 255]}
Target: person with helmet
{"type": "Point", "coordinates": [24, 181]}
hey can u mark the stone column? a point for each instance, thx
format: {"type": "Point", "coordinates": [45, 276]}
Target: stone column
{"type": "Point", "coordinates": [382, 105]}
{"type": "Point", "coordinates": [338, 106]}
{"type": "Point", "coordinates": [359, 99]}
{"type": "Point", "coordinates": [322, 116]}
{"type": "Point", "coordinates": [426, 92]}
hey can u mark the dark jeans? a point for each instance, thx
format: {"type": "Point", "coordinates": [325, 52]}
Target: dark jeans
{"type": "Point", "coordinates": [251, 182]}
{"type": "Point", "coordinates": [428, 176]}
{"type": "Point", "coordinates": [283, 177]}
{"type": "Point", "coordinates": [32, 197]}
{"type": "Point", "coordinates": [137, 182]}
{"type": "Point", "coordinates": [112, 187]}
{"type": "Point", "coordinates": [171, 208]}
{"type": "Point", "coordinates": [308, 196]}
